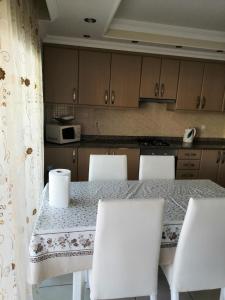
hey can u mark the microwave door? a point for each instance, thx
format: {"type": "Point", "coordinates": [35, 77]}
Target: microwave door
{"type": "Point", "coordinates": [68, 133]}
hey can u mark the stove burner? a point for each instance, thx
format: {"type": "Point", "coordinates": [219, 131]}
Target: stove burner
{"type": "Point", "coordinates": [153, 142]}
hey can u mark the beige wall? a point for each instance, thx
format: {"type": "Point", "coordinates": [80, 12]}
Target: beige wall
{"type": "Point", "coordinates": [150, 119]}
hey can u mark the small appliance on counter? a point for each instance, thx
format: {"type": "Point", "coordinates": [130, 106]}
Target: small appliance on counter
{"type": "Point", "coordinates": [63, 132]}
{"type": "Point", "coordinates": [189, 135]}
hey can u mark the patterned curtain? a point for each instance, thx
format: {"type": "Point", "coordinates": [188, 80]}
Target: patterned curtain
{"type": "Point", "coordinates": [21, 141]}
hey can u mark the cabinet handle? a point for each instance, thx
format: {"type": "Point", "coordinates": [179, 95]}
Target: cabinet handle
{"type": "Point", "coordinates": [223, 158]}
{"type": "Point", "coordinates": [112, 97]}
{"type": "Point", "coordinates": [74, 95]}
{"type": "Point", "coordinates": [74, 156]}
{"type": "Point", "coordinates": [162, 89]}
{"type": "Point", "coordinates": [106, 97]}
{"type": "Point", "coordinates": [218, 157]}
{"type": "Point", "coordinates": [156, 90]}
{"type": "Point", "coordinates": [198, 102]}
{"type": "Point", "coordinates": [203, 102]}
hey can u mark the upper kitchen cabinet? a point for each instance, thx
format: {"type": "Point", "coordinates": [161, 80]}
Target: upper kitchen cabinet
{"type": "Point", "coordinates": [201, 86]}
{"type": "Point", "coordinates": [94, 77]}
{"type": "Point", "coordinates": [159, 78]}
{"type": "Point", "coordinates": [190, 85]}
{"type": "Point", "coordinates": [60, 71]}
{"type": "Point", "coordinates": [125, 80]}
{"type": "Point", "coordinates": [213, 87]}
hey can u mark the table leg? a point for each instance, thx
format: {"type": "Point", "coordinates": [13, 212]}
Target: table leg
{"type": "Point", "coordinates": [78, 285]}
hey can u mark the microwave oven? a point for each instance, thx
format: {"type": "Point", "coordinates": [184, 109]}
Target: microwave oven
{"type": "Point", "coordinates": [62, 134]}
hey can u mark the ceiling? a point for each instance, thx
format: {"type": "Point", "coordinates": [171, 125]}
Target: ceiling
{"type": "Point", "coordinates": [204, 14]}
{"type": "Point", "coordinates": [174, 27]}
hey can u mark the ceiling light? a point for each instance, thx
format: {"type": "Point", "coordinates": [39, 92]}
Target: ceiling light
{"type": "Point", "coordinates": [179, 47]}
{"type": "Point", "coordinates": [220, 51]}
{"type": "Point", "coordinates": [87, 36]}
{"type": "Point", "coordinates": [135, 42]}
{"type": "Point", "coordinates": [90, 20]}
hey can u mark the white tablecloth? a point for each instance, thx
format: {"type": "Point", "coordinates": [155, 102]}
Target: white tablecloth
{"type": "Point", "coordinates": [63, 239]}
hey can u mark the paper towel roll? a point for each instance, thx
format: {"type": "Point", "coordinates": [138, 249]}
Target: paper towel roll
{"type": "Point", "coordinates": [59, 187]}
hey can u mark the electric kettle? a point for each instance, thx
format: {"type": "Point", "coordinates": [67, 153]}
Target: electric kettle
{"type": "Point", "coordinates": [189, 135]}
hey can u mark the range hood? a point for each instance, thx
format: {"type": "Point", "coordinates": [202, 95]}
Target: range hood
{"type": "Point", "coordinates": [154, 100]}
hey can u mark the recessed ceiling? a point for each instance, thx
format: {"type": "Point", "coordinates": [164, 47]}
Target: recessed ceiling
{"type": "Point", "coordinates": [158, 25]}
{"type": "Point", "coordinates": [203, 14]}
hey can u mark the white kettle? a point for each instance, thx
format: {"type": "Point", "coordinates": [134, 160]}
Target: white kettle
{"type": "Point", "coordinates": [189, 135]}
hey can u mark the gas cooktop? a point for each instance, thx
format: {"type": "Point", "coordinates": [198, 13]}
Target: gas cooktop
{"type": "Point", "coordinates": [153, 142]}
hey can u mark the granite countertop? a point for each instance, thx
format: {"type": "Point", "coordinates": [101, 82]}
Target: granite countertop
{"type": "Point", "coordinates": [135, 142]}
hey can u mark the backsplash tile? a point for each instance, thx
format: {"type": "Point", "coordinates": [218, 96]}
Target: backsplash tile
{"type": "Point", "coordinates": [149, 119]}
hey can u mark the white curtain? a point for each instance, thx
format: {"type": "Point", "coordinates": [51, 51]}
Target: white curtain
{"type": "Point", "coordinates": [21, 141]}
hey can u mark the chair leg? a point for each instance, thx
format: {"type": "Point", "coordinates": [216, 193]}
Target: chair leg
{"type": "Point", "coordinates": [222, 294]}
{"type": "Point", "coordinates": [153, 297]}
{"type": "Point", "coordinates": [174, 295]}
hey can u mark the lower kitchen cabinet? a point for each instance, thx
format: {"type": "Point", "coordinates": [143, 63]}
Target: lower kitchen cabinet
{"type": "Point", "coordinates": [221, 171]}
{"type": "Point", "coordinates": [209, 164]}
{"type": "Point", "coordinates": [61, 157]}
{"type": "Point", "coordinates": [188, 164]}
{"type": "Point", "coordinates": [133, 156]}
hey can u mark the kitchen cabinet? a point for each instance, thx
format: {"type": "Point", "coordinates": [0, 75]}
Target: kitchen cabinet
{"type": "Point", "coordinates": [60, 72]}
{"type": "Point", "coordinates": [210, 164]}
{"type": "Point", "coordinates": [213, 166]}
{"type": "Point", "coordinates": [188, 163]}
{"type": "Point", "coordinates": [94, 77]}
{"type": "Point", "coordinates": [125, 80]}
{"type": "Point", "coordinates": [159, 78]}
{"type": "Point", "coordinates": [213, 87]}
{"type": "Point", "coordinates": [61, 157]}
{"type": "Point", "coordinates": [133, 156]}
{"type": "Point", "coordinates": [200, 87]}
{"type": "Point", "coordinates": [190, 85]}
{"type": "Point", "coordinates": [109, 79]}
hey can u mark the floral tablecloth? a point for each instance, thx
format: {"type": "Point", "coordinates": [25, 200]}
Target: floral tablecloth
{"type": "Point", "coordinates": [63, 239]}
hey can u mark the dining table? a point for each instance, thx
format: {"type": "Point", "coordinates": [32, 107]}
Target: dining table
{"type": "Point", "coordinates": [62, 240]}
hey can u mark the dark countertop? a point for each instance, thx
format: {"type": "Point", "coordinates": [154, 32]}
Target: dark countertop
{"type": "Point", "coordinates": [135, 142]}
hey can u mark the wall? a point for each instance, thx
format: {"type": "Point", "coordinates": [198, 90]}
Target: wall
{"type": "Point", "coordinates": [149, 119]}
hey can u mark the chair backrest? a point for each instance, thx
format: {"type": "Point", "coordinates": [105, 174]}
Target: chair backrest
{"type": "Point", "coordinates": [156, 167]}
{"type": "Point", "coordinates": [107, 167]}
{"type": "Point", "coordinates": [126, 249]}
{"type": "Point", "coordinates": [199, 261]}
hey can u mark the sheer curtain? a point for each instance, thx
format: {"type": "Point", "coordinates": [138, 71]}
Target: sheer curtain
{"type": "Point", "coordinates": [21, 141]}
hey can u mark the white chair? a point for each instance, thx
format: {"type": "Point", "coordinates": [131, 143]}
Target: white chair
{"type": "Point", "coordinates": [156, 167]}
{"type": "Point", "coordinates": [199, 261]}
{"type": "Point", "coordinates": [126, 249]}
{"type": "Point", "coordinates": [108, 167]}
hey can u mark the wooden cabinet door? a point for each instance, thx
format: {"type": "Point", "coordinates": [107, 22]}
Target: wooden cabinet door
{"type": "Point", "coordinates": [94, 77]}
{"type": "Point", "coordinates": [133, 157]}
{"type": "Point", "coordinates": [169, 78]}
{"type": "Point", "coordinates": [221, 172]}
{"type": "Point", "coordinates": [150, 74]}
{"type": "Point", "coordinates": [60, 69]}
{"type": "Point", "coordinates": [189, 85]}
{"type": "Point", "coordinates": [61, 157]}
{"type": "Point", "coordinates": [125, 80]}
{"type": "Point", "coordinates": [83, 160]}
{"type": "Point", "coordinates": [213, 87]}
{"type": "Point", "coordinates": [209, 164]}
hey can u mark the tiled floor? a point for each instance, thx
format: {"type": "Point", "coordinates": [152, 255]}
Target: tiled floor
{"type": "Point", "coordinates": [60, 288]}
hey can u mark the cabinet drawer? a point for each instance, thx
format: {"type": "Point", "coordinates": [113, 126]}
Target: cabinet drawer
{"type": "Point", "coordinates": [187, 174]}
{"type": "Point", "coordinates": [186, 164]}
{"type": "Point", "coordinates": [189, 154]}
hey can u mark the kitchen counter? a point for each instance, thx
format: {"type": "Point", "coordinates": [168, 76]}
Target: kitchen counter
{"type": "Point", "coordinates": [137, 142]}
